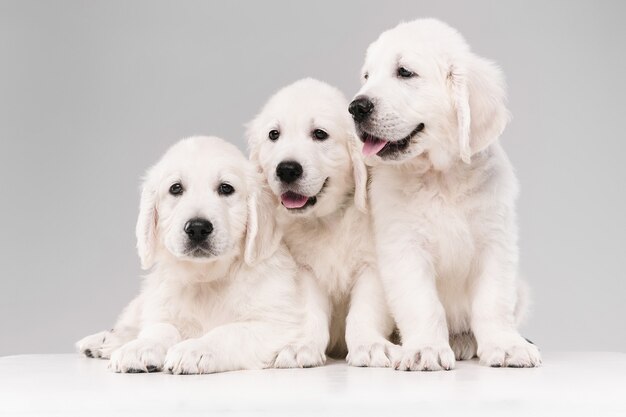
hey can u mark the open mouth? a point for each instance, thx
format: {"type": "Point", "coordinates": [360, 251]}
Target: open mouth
{"type": "Point", "coordinates": [294, 201]}
{"type": "Point", "coordinates": [373, 145]}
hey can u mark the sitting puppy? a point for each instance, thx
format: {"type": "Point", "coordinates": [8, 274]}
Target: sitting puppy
{"type": "Point", "coordinates": [443, 194]}
{"type": "Point", "coordinates": [219, 270]}
{"type": "Point", "coordinates": [301, 140]}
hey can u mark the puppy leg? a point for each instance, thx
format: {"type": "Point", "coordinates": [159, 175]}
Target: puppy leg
{"type": "Point", "coordinates": [409, 281]}
{"type": "Point", "coordinates": [147, 352]}
{"type": "Point", "coordinates": [102, 344]}
{"type": "Point", "coordinates": [231, 347]}
{"type": "Point", "coordinates": [493, 313]}
{"type": "Point", "coordinates": [310, 348]}
{"type": "Point", "coordinates": [369, 323]}
{"type": "Point", "coordinates": [91, 346]}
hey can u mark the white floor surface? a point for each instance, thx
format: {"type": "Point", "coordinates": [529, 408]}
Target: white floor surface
{"type": "Point", "coordinates": [572, 384]}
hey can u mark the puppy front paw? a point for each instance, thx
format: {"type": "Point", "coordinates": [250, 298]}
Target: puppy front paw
{"type": "Point", "coordinates": [426, 358]}
{"type": "Point", "coordinates": [511, 351]}
{"type": "Point", "coordinates": [375, 355]}
{"type": "Point", "coordinates": [137, 356]}
{"type": "Point", "coordinates": [300, 356]}
{"type": "Point", "coordinates": [94, 346]}
{"type": "Point", "coordinates": [190, 357]}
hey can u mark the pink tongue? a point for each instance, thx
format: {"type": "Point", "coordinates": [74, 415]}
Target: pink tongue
{"type": "Point", "coordinates": [372, 146]}
{"type": "Point", "coordinates": [292, 200]}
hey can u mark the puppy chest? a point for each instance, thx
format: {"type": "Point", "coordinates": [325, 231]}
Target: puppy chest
{"type": "Point", "coordinates": [335, 280]}
{"type": "Point", "coordinates": [199, 310]}
{"type": "Point", "coordinates": [333, 274]}
{"type": "Point", "coordinates": [448, 238]}
{"type": "Point", "coordinates": [330, 260]}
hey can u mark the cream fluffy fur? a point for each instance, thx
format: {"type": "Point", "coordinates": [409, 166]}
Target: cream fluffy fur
{"type": "Point", "coordinates": [331, 240]}
{"type": "Point", "coordinates": [444, 205]}
{"type": "Point", "coordinates": [232, 305]}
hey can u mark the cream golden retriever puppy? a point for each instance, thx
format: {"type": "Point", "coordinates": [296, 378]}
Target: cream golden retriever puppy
{"type": "Point", "coordinates": [303, 142]}
{"type": "Point", "coordinates": [221, 293]}
{"type": "Point", "coordinates": [443, 194]}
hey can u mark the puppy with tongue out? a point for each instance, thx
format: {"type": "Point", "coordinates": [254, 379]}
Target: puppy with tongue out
{"type": "Point", "coordinates": [290, 174]}
{"type": "Point", "coordinates": [293, 200]}
{"type": "Point", "coordinates": [302, 143]}
{"type": "Point", "coordinates": [371, 145]}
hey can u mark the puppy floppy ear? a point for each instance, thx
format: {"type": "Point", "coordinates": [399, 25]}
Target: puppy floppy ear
{"type": "Point", "coordinates": [252, 137]}
{"type": "Point", "coordinates": [478, 92]}
{"type": "Point", "coordinates": [359, 171]}
{"type": "Point", "coordinates": [262, 234]}
{"type": "Point", "coordinates": [146, 229]}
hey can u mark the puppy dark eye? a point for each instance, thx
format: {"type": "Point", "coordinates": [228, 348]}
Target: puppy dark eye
{"type": "Point", "coordinates": [176, 189]}
{"type": "Point", "coordinates": [225, 189]}
{"type": "Point", "coordinates": [273, 135]}
{"type": "Point", "coordinates": [405, 73]}
{"type": "Point", "coordinates": [366, 76]}
{"type": "Point", "coordinates": [319, 134]}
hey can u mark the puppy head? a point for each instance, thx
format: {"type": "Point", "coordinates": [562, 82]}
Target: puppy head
{"type": "Point", "coordinates": [425, 92]}
{"type": "Point", "coordinates": [201, 203]}
{"type": "Point", "coordinates": [304, 143]}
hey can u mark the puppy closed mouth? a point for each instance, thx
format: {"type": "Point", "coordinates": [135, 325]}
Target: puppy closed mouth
{"type": "Point", "coordinates": [201, 251]}
{"type": "Point", "coordinates": [294, 201]}
{"type": "Point", "coordinates": [373, 145]}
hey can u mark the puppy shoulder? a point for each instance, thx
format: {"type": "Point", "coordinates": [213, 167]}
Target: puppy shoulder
{"type": "Point", "coordinates": [151, 282]}
{"type": "Point", "coordinates": [269, 286]}
{"type": "Point", "coordinates": [279, 264]}
{"type": "Point", "coordinates": [359, 228]}
{"type": "Point", "coordinates": [496, 175]}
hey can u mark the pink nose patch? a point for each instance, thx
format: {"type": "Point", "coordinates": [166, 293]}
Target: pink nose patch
{"type": "Point", "coordinates": [292, 200]}
{"type": "Point", "coordinates": [372, 146]}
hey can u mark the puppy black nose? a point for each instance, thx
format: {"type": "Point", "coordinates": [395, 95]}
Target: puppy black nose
{"type": "Point", "coordinates": [360, 108]}
{"type": "Point", "coordinates": [289, 171]}
{"type": "Point", "coordinates": [198, 230]}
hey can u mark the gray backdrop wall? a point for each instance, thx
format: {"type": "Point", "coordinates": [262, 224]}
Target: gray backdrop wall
{"type": "Point", "coordinates": [91, 93]}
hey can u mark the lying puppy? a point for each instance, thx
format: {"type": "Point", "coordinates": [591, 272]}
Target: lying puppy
{"type": "Point", "coordinates": [301, 140]}
{"type": "Point", "coordinates": [429, 115]}
{"type": "Point", "coordinates": [219, 271]}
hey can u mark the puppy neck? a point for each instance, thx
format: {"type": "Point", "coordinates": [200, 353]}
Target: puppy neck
{"type": "Point", "coordinates": [456, 177]}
